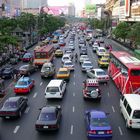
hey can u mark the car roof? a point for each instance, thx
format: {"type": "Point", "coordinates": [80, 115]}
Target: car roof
{"type": "Point", "coordinates": [47, 64]}
{"type": "Point", "coordinates": [48, 109]}
{"type": "Point", "coordinates": [97, 114]}
{"type": "Point", "coordinates": [54, 82]}
{"type": "Point", "coordinates": [63, 69]}
{"type": "Point", "coordinates": [68, 61]}
{"type": "Point", "coordinates": [97, 69]}
{"type": "Point", "coordinates": [101, 48]}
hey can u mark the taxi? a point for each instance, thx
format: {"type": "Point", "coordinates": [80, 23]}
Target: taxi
{"type": "Point", "coordinates": [63, 73]}
{"type": "Point", "coordinates": [103, 62]}
{"type": "Point", "coordinates": [58, 53]}
{"type": "Point", "coordinates": [106, 55]}
{"type": "Point", "coordinates": [24, 85]}
{"type": "Point", "coordinates": [55, 39]}
{"type": "Point", "coordinates": [27, 57]}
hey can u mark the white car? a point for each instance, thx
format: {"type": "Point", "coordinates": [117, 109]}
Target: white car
{"type": "Point", "coordinates": [66, 57]}
{"type": "Point", "coordinates": [69, 65]}
{"type": "Point", "coordinates": [83, 58]}
{"type": "Point", "coordinates": [101, 51]}
{"type": "Point", "coordinates": [99, 74]}
{"type": "Point", "coordinates": [95, 46]}
{"type": "Point", "coordinates": [71, 45]}
{"type": "Point", "coordinates": [87, 65]}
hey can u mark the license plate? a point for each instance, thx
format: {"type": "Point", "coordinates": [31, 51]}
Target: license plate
{"type": "Point", "coordinates": [7, 117]}
{"type": "Point", "coordinates": [101, 132]}
{"type": "Point", "coordinates": [45, 127]}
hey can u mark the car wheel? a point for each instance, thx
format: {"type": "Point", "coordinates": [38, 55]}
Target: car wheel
{"type": "Point", "coordinates": [20, 114]}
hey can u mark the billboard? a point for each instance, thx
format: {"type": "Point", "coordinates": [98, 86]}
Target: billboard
{"type": "Point", "coordinates": [90, 8]}
{"type": "Point", "coordinates": [127, 8]}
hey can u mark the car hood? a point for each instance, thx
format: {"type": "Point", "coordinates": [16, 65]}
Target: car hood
{"type": "Point", "coordinates": [100, 127]}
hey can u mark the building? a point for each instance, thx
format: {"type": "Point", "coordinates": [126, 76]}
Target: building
{"type": "Point", "coordinates": [34, 3]}
{"type": "Point", "coordinates": [71, 9]}
{"type": "Point", "coordinates": [11, 7]}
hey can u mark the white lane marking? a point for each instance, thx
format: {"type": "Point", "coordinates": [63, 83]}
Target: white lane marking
{"type": "Point", "coordinates": [35, 95]}
{"type": "Point", "coordinates": [41, 83]}
{"type": "Point", "coordinates": [120, 130]}
{"type": "Point", "coordinates": [71, 130]}
{"type": "Point", "coordinates": [108, 94]}
{"type": "Point", "coordinates": [74, 83]}
{"type": "Point", "coordinates": [16, 129]}
{"type": "Point", "coordinates": [113, 109]}
{"type": "Point", "coordinates": [73, 94]}
{"type": "Point", "coordinates": [27, 110]}
{"type": "Point", "coordinates": [73, 108]}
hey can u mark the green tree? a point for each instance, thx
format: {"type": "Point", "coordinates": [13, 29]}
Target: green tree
{"type": "Point", "coordinates": [134, 34]}
{"type": "Point", "coordinates": [122, 30]}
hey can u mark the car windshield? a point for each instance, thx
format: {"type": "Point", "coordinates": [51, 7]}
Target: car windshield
{"type": "Point", "coordinates": [68, 63]}
{"type": "Point", "coordinates": [47, 116]}
{"type": "Point", "coordinates": [24, 67]}
{"type": "Point", "coordinates": [101, 50]}
{"type": "Point", "coordinates": [99, 122]}
{"type": "Point", "coordinates": [22, 83]}
{"type": "Point", "coordinates": [10, 104]}
{"type": "Point", "coordinates": [65, 58]}
{"type": "Point", "coordinates": [52, 89]}
{"type": "Point", "coordinates": [101, 73]}
{"type": "Point", "coordinates": [104, 60]}
{"type": "Point", "coordinates": [136, 114]}
{"type": "Point", "coordinates": [84, 56]}
{"type": "Point", "coordinates": [63, 72]}
{"type": "Point", "coordinates": [46, 68]}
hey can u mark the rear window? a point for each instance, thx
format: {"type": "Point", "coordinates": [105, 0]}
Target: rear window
{"type": "Point", "coordinates": [99, 122]}
{"type": "Point", "coordinates": [52, 89]}
{"type": "Point", "coordinates": [63, 72]}
{"type": "Point", "coordinates": [10, 104]}
{"type": "Point", "coordinates": [135, 72]}
{"type": "Point", "coordinates": [47, 116]}
{"type": "Point", "coordinates": [136, 114]}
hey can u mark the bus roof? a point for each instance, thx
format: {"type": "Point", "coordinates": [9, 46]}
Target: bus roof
{"type": "Point", "coordinates": [45, 48]}
{"type": "Point", "coordinates": [126, 59]}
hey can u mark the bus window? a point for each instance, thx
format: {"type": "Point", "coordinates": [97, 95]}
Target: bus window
{"type": "Point", "coordinates": [135, 72]}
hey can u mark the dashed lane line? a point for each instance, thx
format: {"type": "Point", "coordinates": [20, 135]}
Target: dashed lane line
{"type": "Point", "coordinates": [41, 83]}
{"type": "Point", "coordinates": [73, 108]}
{"type": "Point", "coordinates": [71, 130]}
{"type": "Point", "coordinates": [113, 109]}
{"type": "Point", "coordinates": [27, 110]}
{"type": "Point", "coordinates": [35, 95]}
{"type": "Point", "coordinates": [16, 129]}
{"type": "Point", "coordinates": [120, 130]}
{"type": "Point", "coordinates": [73, 94]}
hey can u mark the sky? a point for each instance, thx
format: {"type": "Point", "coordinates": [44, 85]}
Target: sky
{"type": "Point", "coordinates": [79, 4]}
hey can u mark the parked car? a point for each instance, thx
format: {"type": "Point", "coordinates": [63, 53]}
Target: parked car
{"type": "Point", "coordinates": [91, 89]}
{"type": "Point", "coordinates": [99, 74]}
{"type": "Point", "coordinates": [97, 124]}
{"type": "Point", "coordinates": [13, 107]}
{"type": "Point", "coordinates": [49, 118]}
{"type": "Point", "coordinates": [24, 85]}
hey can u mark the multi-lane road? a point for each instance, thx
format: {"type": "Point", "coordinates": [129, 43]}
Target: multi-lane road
{"type": "Point", "coordinates": [73, 108]}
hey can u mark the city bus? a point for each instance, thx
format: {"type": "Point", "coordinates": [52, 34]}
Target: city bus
{"type": "Point", "coordinates": [124, 69]}
{"type": "Point", "coordinates": [43, 54]}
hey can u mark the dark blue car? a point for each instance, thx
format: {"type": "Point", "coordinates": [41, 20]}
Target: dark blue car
{"type": "Point", "coordinates": [97, 124]}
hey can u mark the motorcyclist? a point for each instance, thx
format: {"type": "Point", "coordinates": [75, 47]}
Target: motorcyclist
{"type": "Point", "coordinates": [76, 57]}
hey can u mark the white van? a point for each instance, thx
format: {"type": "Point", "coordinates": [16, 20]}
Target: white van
{"type": "Point", "coordinates": [66, 57]}
{"type": "Point", "coordinates": [55, 89]}
{"type": "Point", "coordinates": [100, 51]}
{"type": "Point", "coordinates": [130, 109]}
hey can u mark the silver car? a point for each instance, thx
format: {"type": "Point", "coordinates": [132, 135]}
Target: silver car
{"type": "Point", "coordinates": [87, 65]}
{"type": "Point", "coordinates": [99, 74]}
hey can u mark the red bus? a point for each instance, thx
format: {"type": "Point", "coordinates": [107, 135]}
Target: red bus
{"type": "Point", "coordinates": [124, 69]}
{"type": "Point", "coordinates": [43, 54]}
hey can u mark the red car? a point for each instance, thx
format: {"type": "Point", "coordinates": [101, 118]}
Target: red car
{"type": "Point", "coordinates": [27, 57]}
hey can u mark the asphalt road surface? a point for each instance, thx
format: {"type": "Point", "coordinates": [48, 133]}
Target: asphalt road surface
{"type": "Point", "coordinates": [73, 108]}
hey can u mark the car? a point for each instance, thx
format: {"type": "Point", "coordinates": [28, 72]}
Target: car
{"type": "Point", "coordinates": [58, 53]}
{"type": "Point", "coordinates": [71, 45]}
{"type": "Point", "coordinates": [87, 65]}
{"type": "Point", "coordinates": [55, 39]}
{"type": "Point", "coordinates": [13, 60]}
{"type": "Point", "coordinates": [100, 51]}
{"type": "Point", "coordinates": [91, 89]}
{"type": "Point", "coordinates": [83, 58]}
{"type": "Point", "coordinates": [101, 40]}
{"type": "Point", "coordinates": [69, 65]}
{"type": "Point", "coordinates": [13, 107]}
{"type": "Point", "coordinates": [83, 51]}
{"type": "Point", "coordinates": [95, 46]}
{"type": "Point", "coordinates": [49, 118]}
{"type": "Point", "coordinates": [82, 44]}
{"type": "Point", "coordinates": [99, 74]}
{"type": "Point", "coordinates": [47, 70]}
{"type": "Point", "coordinates": [27, 57]}
{"type": "Point", "coordinates": [63, 73]}
{"type": "Point", "coordinates": [7, 72]}
{"type": "Point", "coordinates": [66, 57]}
{"type": "Point", "coordinates": [103, 62]}
{"type": "Point", "coordinates": [70, 52]}
{"type": "Point", "coordinates": [61, 43]}
{"type": "Point", "coordinates": [97, 124]}
{"type": "Point", "coordinates": [24, 85]}
{"type": "Point", "coordinates": [27, 69]}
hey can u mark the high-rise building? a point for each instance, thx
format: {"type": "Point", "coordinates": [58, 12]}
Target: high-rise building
{"type": "Point", "coordinates": [34, 3]}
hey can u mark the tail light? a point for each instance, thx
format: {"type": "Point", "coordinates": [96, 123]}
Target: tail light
{"type": "Point", "coordinates": [92, 132]}
{"type": "Point", "coordinates": [85, 91]}
{"type": "Point", "coordinates": [109, 131]}
{"type": "Point", "coordinates": [130, 122]}
{"type": "Point", "coordinates": [53, 126]}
